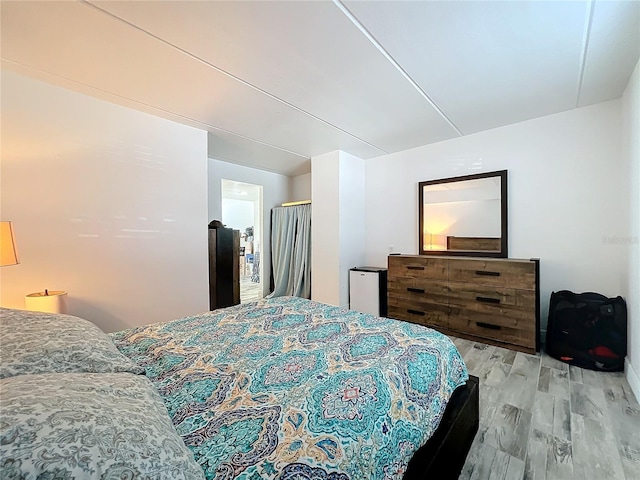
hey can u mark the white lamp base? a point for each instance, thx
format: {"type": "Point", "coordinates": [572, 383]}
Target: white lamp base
{"type": "Point", "coordinates": [54, 302]}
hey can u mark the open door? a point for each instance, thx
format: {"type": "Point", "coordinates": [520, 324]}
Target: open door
{"type": "Point", "coordinates": [242, 211]}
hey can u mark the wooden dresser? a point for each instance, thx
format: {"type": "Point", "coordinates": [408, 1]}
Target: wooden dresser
{"type": "Point", "coordinates": [491, 300]}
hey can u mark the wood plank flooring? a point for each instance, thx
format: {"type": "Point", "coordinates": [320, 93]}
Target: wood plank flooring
{"type": "Point", "coordinates": [541, 419]}
{"type": "Point", "coordinates": [249, 291]}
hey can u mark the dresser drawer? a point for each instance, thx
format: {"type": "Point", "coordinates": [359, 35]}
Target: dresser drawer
{"type": "Point", "coordinates": [419, 267]}
{"type": "Point", "coordinates": [519, 320]}
{"type": "Point", "coordinates": [512, 274]}
{"type": "Point", "coordinates": [490, 299]}
{"type": "Point", "coordinates": [500, 328]}
{"type": "Point", "coordinates": [419, 288]}
{"type": "Point", "coordinates": [427, 315]}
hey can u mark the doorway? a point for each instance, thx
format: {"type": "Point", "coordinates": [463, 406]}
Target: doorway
{"type": "Point", "coordinates": [242, 210]}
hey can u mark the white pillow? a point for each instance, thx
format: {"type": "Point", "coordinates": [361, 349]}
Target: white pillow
{"type": "Point", "coordinates": [36, 342]}
{"type": "Point", "coordinates": [103, 426]}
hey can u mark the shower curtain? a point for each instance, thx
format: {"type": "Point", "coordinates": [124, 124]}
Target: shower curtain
{"type": "Point", "coordinates": [291, 251]}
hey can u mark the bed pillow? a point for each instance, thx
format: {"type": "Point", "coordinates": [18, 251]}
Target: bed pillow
{"type": "Point", "coordinates": [36, 342]}
{"type": "Point", "coordinates": [91, 426]}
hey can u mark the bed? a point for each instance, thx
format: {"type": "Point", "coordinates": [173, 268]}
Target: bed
{"type": "Point", "coordinates": [286, 388]}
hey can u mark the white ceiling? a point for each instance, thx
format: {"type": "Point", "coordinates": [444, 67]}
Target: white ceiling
{"type": "Point", "coordinates": [275, 83]}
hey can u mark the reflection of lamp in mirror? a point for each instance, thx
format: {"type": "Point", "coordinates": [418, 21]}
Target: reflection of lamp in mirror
{"type": "Point", "coordinates": [434, 241]}
{"type": "Point", "coordinates": [8, 254]}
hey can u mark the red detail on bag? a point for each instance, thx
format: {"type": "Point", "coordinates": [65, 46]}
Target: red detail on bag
{"type": "Point", "coordinates": [566, 359]}
{"type": "Point", "coordinates": [603, 351]}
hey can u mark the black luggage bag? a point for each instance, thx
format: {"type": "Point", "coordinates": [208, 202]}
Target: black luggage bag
{"type": "Point", "coordinates": [588, 330]}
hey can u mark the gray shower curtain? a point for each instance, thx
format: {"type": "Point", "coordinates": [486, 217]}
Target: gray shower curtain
{"type": "Point", "coordinates": [291, 251]}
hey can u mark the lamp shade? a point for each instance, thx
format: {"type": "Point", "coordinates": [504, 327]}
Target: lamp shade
{"type": "Point", "coordinates": [8, 255]}
{"type": "Point", "coordinates": [54, 301]}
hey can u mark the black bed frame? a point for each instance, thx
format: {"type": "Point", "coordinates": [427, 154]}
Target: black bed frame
{"type": "Point", "coordinates": [443, 456]}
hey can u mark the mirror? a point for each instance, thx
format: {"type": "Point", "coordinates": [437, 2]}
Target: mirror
{"type": "Point", "coordinates": [464, 215]}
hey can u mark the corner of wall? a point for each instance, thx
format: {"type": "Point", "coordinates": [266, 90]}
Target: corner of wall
{"type": "Point", "coordinates": [633, 378]}
{"type": "Point", "coordinates": [631, 127]}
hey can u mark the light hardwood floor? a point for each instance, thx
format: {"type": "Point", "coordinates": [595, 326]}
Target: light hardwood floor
{"type": "Point", "coordinates": [543, 419]}
{"type": "Point", "coordinates": [249, 291]}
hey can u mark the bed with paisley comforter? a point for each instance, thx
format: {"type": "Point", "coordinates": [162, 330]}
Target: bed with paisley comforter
{"type": "Point", "coordinates": [279, 389]}
{"type": "Point", "coordinates": [287, 388]}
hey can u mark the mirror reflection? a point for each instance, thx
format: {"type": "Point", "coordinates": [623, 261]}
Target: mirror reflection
{"type": "Point", "coordinates": [464, 215]}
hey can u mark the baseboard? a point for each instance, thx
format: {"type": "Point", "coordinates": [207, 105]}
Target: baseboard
{"type": "Point", "coordinates": [633, 378]}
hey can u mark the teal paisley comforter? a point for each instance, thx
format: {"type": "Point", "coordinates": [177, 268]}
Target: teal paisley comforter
{"type": "Point", "coordinates": [287, 388]}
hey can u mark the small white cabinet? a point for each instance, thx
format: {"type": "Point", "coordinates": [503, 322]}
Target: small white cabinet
{"type": "Point", "coordinates": [368, 290]}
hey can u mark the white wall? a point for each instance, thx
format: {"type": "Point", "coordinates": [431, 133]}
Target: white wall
{"type": "Point", "coordinates": [108, 203]}
{"type": "Point", "coordinates": [325, 228]}
{"type": "Point", "coordinates": [275, 191]}
{"type": "Point", "coordinates": [352, 226]}
{"type": "Point", "coordinates": [568, 195]}
{"type": "Point", "coordinates": [631, 146]}
{"type": "Point", "coordinates": [301, 187]}
{"type": "Point", "coordinates": [237, 214]}
{"type": "Point", "coordinates": [337, 225]}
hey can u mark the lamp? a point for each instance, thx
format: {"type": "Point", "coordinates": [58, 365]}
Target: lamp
{"type": "Point", "coordinates": [54, 301]}
{"type": "Point", "coordinates": [434, 242]}
{"type": "Point", "coordinates": [47, 301]}
{"type": "Point", "coordinates": [8, 254]}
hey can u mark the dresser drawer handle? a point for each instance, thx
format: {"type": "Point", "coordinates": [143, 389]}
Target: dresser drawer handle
{"type": "Point", "coordinates": [415, 290]}
{"type": "Point", "coordinates": [487, 274]}
{"type": "Point", "coordinates": [415, 312]}
{"type": "Point", "coordinates": [414, 267]}
{"type": "Point", "coordinates": [489, 326]}
{"type": "Point", "coordinates": [488, 300]}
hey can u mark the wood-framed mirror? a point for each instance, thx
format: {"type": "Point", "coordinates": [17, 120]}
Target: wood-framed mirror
{"type": "Point", "coordinates": [464, 215]}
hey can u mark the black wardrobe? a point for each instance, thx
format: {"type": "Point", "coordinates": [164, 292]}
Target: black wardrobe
{"type": "Point", "coordinates": [224, 267]}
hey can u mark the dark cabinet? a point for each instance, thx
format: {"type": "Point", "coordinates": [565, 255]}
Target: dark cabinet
{"type": "Point", "coordinates": [224, 271]}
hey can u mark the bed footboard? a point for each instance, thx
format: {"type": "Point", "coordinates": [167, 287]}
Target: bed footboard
{"type": "Point", "coordinates": [443, 456]}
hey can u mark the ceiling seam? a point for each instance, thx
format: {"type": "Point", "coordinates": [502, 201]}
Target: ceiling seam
{"type": "Point", "coordinates": [230, 75]}
{"type": "Point", "coordinates": [167, 112]}
{"type": "Point", "coordinates": [393, 61]}
{"type": "Point", "coordinates": [585, 47]}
